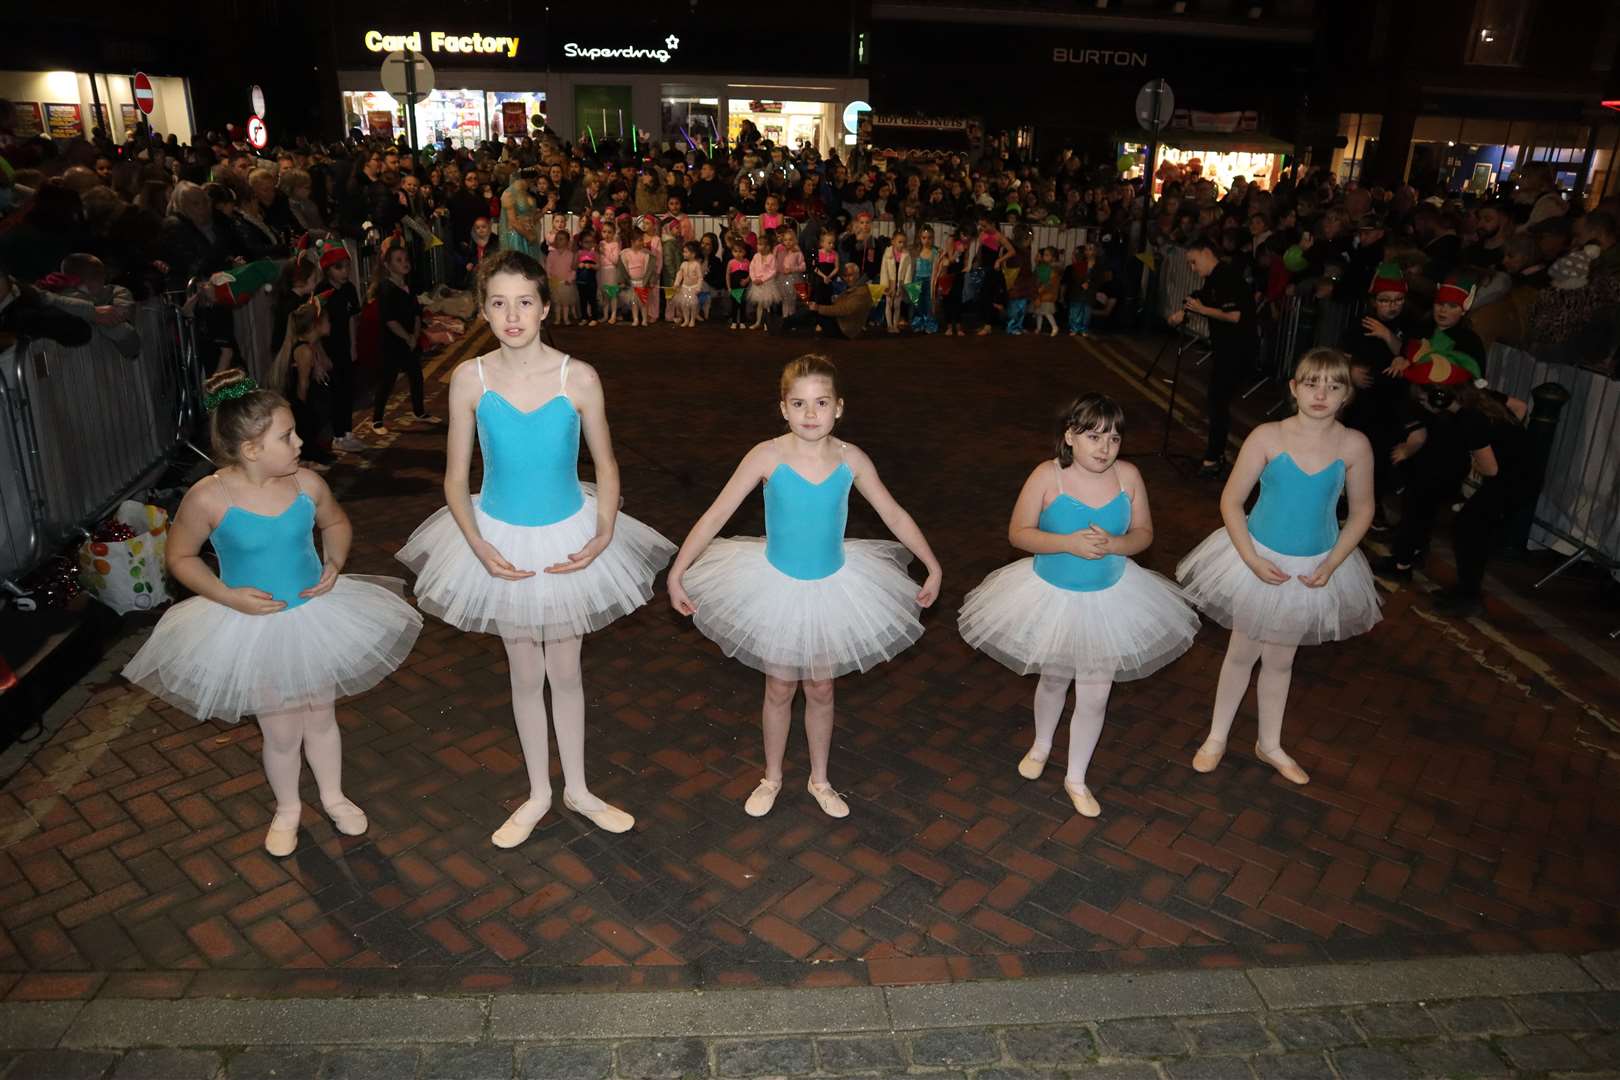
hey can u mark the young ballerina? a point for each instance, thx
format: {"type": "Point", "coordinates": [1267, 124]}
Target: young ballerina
{"type": "Point", "coordinates": [1286, 575]}
{"type": "Point", "coordinates": [560, 271]}
{"type": "Point", "coordinates": [737, 282]}
{"type": "Point", "coordinates": [790, 264]}
{"type": "Point", "coordinates": [638, 273]}
{"type": "Point", "coordinates": [802, 604]}
{"type": "Point", "coordinates": [764, 282]}
{"type": "Point", "coordinates": [925, 263]}
{"type": "Point", "coordinates": [609, 275]}
{"type": "Point", "coordinates": [688, 282]}
{"type": "Point", "coordinates": [277, 633]}
{"type": "Point", "coordinates": [826, 268]}
{"type": "Point", "coordinates": [1046, 291]}
{"type": "Point", "coordinates": [585, 276]}
{"type": "Point", "coordinates": [536, 557]}
{"type": "Point", "coordinates": [1080, 611]}
{"type": "Point", "coordinates": [896, 274]}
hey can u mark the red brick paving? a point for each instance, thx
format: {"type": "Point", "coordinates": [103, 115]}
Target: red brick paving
{"type": "Point", "coordinates": [1461, 802]}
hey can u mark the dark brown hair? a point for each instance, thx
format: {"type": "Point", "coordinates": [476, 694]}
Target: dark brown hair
{"type": "Point", "coordinates": [513, 262]}
{"type": "Point", "coordinates": [240, 419]}
{"type": "Point", "coordinates": [1088, 412]}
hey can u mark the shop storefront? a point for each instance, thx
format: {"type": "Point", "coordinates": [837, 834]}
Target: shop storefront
{"type": "Point", "coordinates": [459, 117]}
{"type": "Point", "coordinates": [664, 84]}
{"type": "Point", "coordinates": [67, 105]}
{"type": "Point", "coordinates": [1222, 148]}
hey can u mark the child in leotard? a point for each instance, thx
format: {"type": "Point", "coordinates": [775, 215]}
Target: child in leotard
{"type": "Point", "coordinates": [609, 272]}
{"type": "Point", "coordinates": [536, 557]}
{"type": "Point", "coordinates": [277, 633]}
{"type": "Point", "coordinates": [1080, 611]}
{"type": "Point", "coordinates": [895, 275]}
{"type": "Point", "coordinates": [803, 604]}
{"type": "Point", "coordinates": [925, 263]}
{"type": "Point", "coordinates": [737, 282]}
{"type": "Point", "coordinates": [688, 281]}
{"type": "Point", "coordinates": [1286, 574]}
{"type": "Point", "coordinates": [764, 280]}
{"type": "Point", "coordinates": [560, 274]}
{"type": "Point", "coordinates": [585, 256]}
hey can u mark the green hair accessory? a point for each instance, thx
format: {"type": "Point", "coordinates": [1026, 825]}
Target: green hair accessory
{"type": "Point", "coordinates": [229, 393]}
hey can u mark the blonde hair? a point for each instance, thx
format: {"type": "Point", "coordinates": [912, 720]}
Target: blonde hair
{"type": "Point", "coordinates": [809, 366]}
{"type": "Point", "coordinates": [300, 325]}
{"type": "Point", "coordinates": [239, 419]}
{"type": "Point", "coordinates": [1330, 363]}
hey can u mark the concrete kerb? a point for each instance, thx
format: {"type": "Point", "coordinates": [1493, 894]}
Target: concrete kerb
{"type": "Point", "coordinates": [120, 1023]}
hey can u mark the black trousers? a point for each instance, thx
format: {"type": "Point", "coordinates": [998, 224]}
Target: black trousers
{"type": "Point", "coordinates": [1427, 492]}
{"type": "Point", "coordinates": [341, 390]}
{"type": "Point", "coordinates": [1478, 527]}
{"type": "Point", "coordinates": [1228, 369]}
{"type": "Point", "coordinates": [395, 362]}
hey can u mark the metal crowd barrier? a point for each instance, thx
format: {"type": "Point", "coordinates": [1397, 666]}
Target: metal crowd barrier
{"type": "Point", "coordinates": [1062, 237]}
{"type": "Point", "coordinates": [1578, 513]}
{"type": "Point", "coordinates": [84, 427]}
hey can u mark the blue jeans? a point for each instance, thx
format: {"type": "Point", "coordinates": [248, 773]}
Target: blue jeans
{"type": "Point", "coordinates": [1017, 310]}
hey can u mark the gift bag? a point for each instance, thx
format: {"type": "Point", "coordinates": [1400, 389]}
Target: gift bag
{"type": "Point", "coordinates": [127, 574]}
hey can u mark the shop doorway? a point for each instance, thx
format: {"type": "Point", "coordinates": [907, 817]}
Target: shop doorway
{"type": "Point", "coordinates": [602, 112]}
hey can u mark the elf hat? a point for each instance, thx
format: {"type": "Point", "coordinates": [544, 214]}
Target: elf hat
{"type": "Point", "coordinates": [1439, 361]}
{"type": "Point", "coordinates": [1454, 290]}
{"type": "Point", "coordinates": [331, 252]}
{"type": "Point", "coordinates": [1388, 279]}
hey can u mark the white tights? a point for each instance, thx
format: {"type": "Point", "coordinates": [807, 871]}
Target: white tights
{"type": "Point", "coordinates": [315, 732]}
{"type": "Point", "coordinates": [1271, 689]}
{"type": "Point", "coordinates": [1085, 725]}
{"type": "Point", "coordinates": [531, 665]}
{"type": "Point", "coordinates": [777, 718]}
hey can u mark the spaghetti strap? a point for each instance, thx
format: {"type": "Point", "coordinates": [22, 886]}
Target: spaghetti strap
{"type": "Point", "coordinates": [562, 385]}
{"type": "Point", "coordinates": [221, 480]}
{"type": "Point", "coordinates": [480, 362]}
{"type": "Point", "coordinates": [1058, 469]}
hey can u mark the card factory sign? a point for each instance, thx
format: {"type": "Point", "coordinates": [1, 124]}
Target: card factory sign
{"type": "Point", "coordinates": [440, 42]}
{"type": "Point", "coordinates": [1100, 57]}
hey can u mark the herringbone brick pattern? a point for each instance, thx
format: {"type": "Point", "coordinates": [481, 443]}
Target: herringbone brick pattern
{"type": "Point", "coordinates": [1462, 793]}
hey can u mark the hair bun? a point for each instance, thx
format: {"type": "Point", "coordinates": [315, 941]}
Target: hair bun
{"type": "Point", "coordinates": [222, 379]}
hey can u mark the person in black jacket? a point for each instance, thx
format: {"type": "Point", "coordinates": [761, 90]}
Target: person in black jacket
{"type": "Point", "coordinates": [1226, 300]}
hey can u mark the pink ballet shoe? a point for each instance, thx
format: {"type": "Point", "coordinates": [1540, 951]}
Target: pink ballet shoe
{"type": "Point", "coordinates": [607, 818]}
{"type": "Point", "coordinates": [832, 804]}
{"type": "Point", "coordinates": [347, 818]}
{"type": "Point", "coordinates": [515, 830]}
{"type": "Point", "coordinates": [1031, 767]}
{"type": "Point", "coordinates": [764, 797]}
{"type": "Point", "coordinates": [1085, 804]}
{"type": "Point", "coordinates": [1209, 756]}
{"type": "Point", "coordinates": [281, 840]}
{"type": "Point", "coordinates": [1287, 766]}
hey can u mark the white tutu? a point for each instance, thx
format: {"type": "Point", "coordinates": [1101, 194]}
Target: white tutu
{"type": "Point", "coordinates": [452, 584]}
{"type": "Point", "coordinates": [564, 293]}
{"type": "Point", "coordinates": [1127, 631]}
{"type": "Point", "coordinates": [768, 294]}
{"type": "Point", "coordinates": [1216, 579]}
{"type": "Point", "coordinates": [214, 661]}
{"type": "Point", "coordinates": [850, 620]}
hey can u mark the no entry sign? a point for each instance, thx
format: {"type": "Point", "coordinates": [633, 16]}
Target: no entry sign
{"type": "Point", "coordinates": [145, 99]}
{"type": "Point", "coordinates": [257, 134]}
